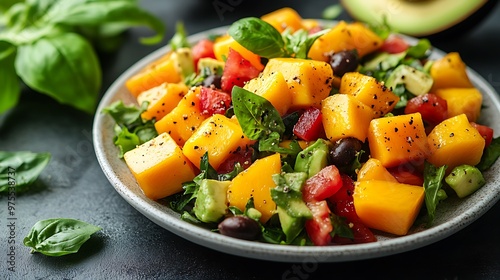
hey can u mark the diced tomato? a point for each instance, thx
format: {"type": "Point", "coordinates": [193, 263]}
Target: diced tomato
{"type": "Point", "coordinates": [214, 101]}
{"type": "Point", "coordinates": [485, 131]}
{"type": "Point", "coordinates": [320, 226]}
{"type": "Point", "coordinates": [237, 71]}
{"type": "Point", "coordinates": [394, 44]}
{"type": "Point", "coordinates": [322, 185]}
{"type": "Point", "coordinates": [309, 127]}
{"type": "Point", "coordinates": [407, 175]}
{"type": "Point", "coordinates": [203, 49]}
{"type": "Point", "coordinates": [242, 156]}
{"type": "Point", "coordinates": [343, 206]}
{"type": "Point", "coordinates": [433, 108]}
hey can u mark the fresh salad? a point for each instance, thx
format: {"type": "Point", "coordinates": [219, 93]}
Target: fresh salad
{"type": "Point", "coordinates": [287, 131]}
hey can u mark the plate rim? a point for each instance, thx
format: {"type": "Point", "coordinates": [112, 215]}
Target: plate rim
{"type": "Point", "coordinates": [157, 213]}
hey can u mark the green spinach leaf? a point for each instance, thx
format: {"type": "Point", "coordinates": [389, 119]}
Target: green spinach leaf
{"type": "Point", "coordinates": [21, 167]}
{"type": "Point", "coordinates": [490, 155]}
{"type": "Point", "coordinates": [9, 87]}
{"type": "Point", "coordinates": [433, 181]}
{"type": "Point", "coordinates": [59, 237]}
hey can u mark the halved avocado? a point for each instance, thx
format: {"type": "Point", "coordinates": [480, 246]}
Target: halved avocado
{"type": "Point", "coordinates": [420, 18]}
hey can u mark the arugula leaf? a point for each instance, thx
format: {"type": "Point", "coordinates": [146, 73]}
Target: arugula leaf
{"type": "Point", "coordinates": [340, 227]}
{"type": "Point", "coordinates": [490, 155]}
{"type": "Point", "coordinates": [271, 144]}
{"type": "Point", "coordinates": [179, 40]}
{"type": "Point", "coordinates": [420, 50]}
{"type": "Point", "coordinates": [256, 115]}
{"type": "Point", "coordinates": [59, 237]}
{"type": "Point", "coordinates": [433, 181]}
{"type": "Point", "coordinates": [23, 167]}
{"type": "Point", "coordinates": [10, 89]}
{"type": "Point", "coordinates": [259, 37]}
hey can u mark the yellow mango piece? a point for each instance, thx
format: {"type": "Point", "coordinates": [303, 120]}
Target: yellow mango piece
{"type": "Point", "coordinates": [256, 181]}
{"type": "Point", "coordinates": [221, 51]}
{"type": "Point", "coordinates": [387, 206]}
{"type": "Point", "coordinates": [303, 144]}
{"type": "Point", "coordinates": [159, 167]}
{"type": "Point", "coordinates": [309, 24]}
{"type": "Point", "coordinates": [309, 81]}
{"type": "Point", "coordinates": [373, 169]}
{"type": "Point", "coordinates": [454, 142]}
{"type": "Point", "coordinates": [450, 72]}
{"type": "Point", "coordinates": [369, 91]}
{"type": "Point", "coordinates": [345, 36]}
{"type": "Point", "coordinates": [466, 101]}
{"type": "Point", "coordinates": [397, 140]}
{"type": "Point", "coordinates": [184, 119]}
{"type": "Point", "coordinates": [273, 87]}
{"type": "Point", "coordinates": [162, 99]}
{"type": "Point", "coordinates": [219, 137]}
{"type": "Point", "coordinates": [163, 70]}
{"type": "Point", "coordinates": [344, 116]}
{"type": "Point", "coordinates": [284, 18]}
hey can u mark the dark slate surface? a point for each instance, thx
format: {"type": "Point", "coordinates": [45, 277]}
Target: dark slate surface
{"type": "Point", "coordinates": [132, 247]}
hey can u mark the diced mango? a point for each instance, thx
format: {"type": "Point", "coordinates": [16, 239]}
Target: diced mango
{"type": "Point", "coordinates": [219, 137]}
{"type": "Point", "coordinates": [256, 181]}
{"type": "Point", "coordinates": [221, 51]}
{"type": "Point", "coordinates": [273, 87]}
{"type": "Point", "coordinates": [454, 142]}
{"type": "Point", "coordinates": [369, 91]}
{"type": "Point", "coordinates": [387, 206]}
{"type": "Point", "coordinates": [466, 101]}
{"type": "Point", "coordinates": [303, 144]}
{"type": "Point", "coordinates": [450, 72]}
{"type": "Point", "coordinates": [309, 23]}
{"type": "Point", "coordinates": [184, 119]}
{"type": "Point", "coordinates": [284, 18]}
{"type": "Point", "coordinates": [163, 70]}
{"type": "Point", "coordinates": [309, 81]}
{"type": "Point", "coordinates": [162, 99]}
{"type": "Point", "coordinates": [373, 169]}
{"type": "Point", "coordinates": [344, 116]}
{"type": "Point", "coordinates": [345, 36]}
{"type": "Point", "coordinates": [398, 139]}
{"type": "Point", "coordinates": [159, 167]}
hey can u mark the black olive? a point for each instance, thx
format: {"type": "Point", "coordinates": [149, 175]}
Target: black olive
{"type": "Point", "coordinates": [343, 62]}
{"type": "Point", "coordinates": [214, 80]}
{"type": "Point", "coordinates": [344, 151]}
{"type": "Point", "coordinates": [241, 227]}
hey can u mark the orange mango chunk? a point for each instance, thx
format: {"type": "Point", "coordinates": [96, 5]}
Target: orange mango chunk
{"type": "Point", "coordinates": [224, 43]}
{"type": "Point", "coordinates": [284, 18]}
{"type": "Point", "coordinates": [450, 72]}
{"type": "Point", "coordinates": [219, 137]}
{"type": "Point", "coordinates": [256, 181]}
{"type": "Point", "coordinates": [159, 167]}
{"type": "Point", "coordinates": [373, 169]}
{"type": "Point", "coordinates": [345, 36]}
{"type": "Point", "coordinates": [184, 119]}
{"type": "Point", "coordinates": [466, 101]}
{"type": "Point", "coordinates": [454, 142]}
{"type": "Point", "coordinates": [162, 99]}
{"type": "Point", "coordinates": [387, 206]}
{"type": "Point", "coordinates": [397, 140]}
{"type": "Point", "coordinates": [274, 89]}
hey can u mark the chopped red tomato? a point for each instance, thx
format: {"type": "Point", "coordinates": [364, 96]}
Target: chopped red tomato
{"type": "Point", "coordinates": [204, 48]}
{"type": "Point", "coordinates": [394, 44]}
{"type": "Point", "coordinates": [343, 206]}
{"type": "Point", "coordinates": [320, 226]}
{"type": "Point", "coordinates": [237, 71]}
{"type": "Point", "coordinates": [407, 175]}
{"type": "Point", "coordinates": [309, 127]}
{"type": "Point", "coordinates": [322, 185]}
{"type": "Point", "coordinates": [433, 108]}
{"type": "Point", "coordinates": [214, 101]}
{"type": "Point", "coordinates": [485, 131]}
{"type": "Point", "coordinates": [242, 156]}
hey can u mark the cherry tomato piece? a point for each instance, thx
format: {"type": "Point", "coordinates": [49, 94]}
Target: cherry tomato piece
{"type": "Point", "coordinates": [433, 108]}
{"type": "Point", "coordinates": [309, 127]}
{"type": "Point", "coordinates": [237, 71]}
{"type": "Point", "coordinates": [203, 49]}
{"type": "Point", "coordinates": [322, 185]}
{"type": "Point", "coordinates": [405, 176]}
{"type": "Point", "coordinates": [242, 156]}
{"type": "Point", "coordinates": [214, 101]}
{"type": "Point", "coordinates": [485, 131]}
{"type": "Point", "coordinates": [394, 44]}
{"type": "Point", "coordinates": [320, 226]}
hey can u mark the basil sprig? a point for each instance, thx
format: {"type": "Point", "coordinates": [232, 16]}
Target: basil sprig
{"type": "Point", "coordinates": [263, 39]}
{"type": "Point", "coordinates": [50, 44]}
{"type": "Point", "coordinates": [59, 237]}
{"type": "Point", "coordinates": [20, 169]}
{"type": "Point", "coordinates": [433, 181]}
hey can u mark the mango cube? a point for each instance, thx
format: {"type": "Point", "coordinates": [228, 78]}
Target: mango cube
{"type": "Point", "coordinates": [224, 43]}
{"type": "Point", "coordinates": [162, 99]}
{"type": "Point", "coordinates": [373, 169]}
{"type": "Point", "coordinates": [466, 101]}
{"type": "Point", "coordinates": [159, 167]}
{"type": "Point", "coordinates": [274, 89]}
{"type": "Point", "coordinates": [284, 18]}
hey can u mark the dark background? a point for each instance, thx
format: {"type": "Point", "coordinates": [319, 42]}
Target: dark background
{"type": "Point", "coordinates": [132, 247]}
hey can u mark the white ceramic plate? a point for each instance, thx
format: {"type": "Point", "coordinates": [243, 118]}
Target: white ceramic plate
{"type": "Point", "coordinates": [452, 215]}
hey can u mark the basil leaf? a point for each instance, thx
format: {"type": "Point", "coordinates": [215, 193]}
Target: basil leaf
{"type": "Point", "coordinates": [70, 62]}
{"type": "Point", "coordinates": [125, 115]}
{"type": "Point", "coordinates": [259, 37]}
{"type": "Point", "coordinates": [271, 144]}
{"type": "Point", "coordinates": [490, 155]}
{"type": "Point", "coordinates": [59, 237]}
{"type": "Point", "coordinates": [10, 86]}
{"type": "Point", "coordinates": [256, 115]}
{"type": "Point", "coordinates": [301, 41]}
{"type": "Point", "coordinates": [433, 181]}
{"type": "Point", "coordinates": [21, 167]}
